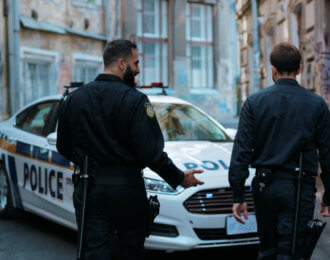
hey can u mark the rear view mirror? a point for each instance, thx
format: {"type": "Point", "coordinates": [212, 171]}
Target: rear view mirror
{"type": "Point", "coordinates": [52, 138]}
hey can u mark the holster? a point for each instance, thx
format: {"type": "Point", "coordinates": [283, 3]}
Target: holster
{"type": "Point", "coordinates": [314, 230]}
{"type": "Point", "coordinates": [264, 175]}
{"type": "Point", "coordinates": [154, 206]}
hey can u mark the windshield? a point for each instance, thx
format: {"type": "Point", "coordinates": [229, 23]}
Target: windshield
{"type": "Point", "coordinates": [180, 122]}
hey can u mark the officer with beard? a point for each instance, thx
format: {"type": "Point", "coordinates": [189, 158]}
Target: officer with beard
{"type": "Point", "coordinates": [115, 125]}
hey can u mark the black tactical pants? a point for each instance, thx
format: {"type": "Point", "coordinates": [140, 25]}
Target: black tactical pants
{"type": "Point", "coordinates": [115, 222]}
{"type": "Point", "coordinates": [275, 208]}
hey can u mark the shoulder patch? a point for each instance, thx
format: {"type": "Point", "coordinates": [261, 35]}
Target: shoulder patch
{"type": "Point", "coordinates": [149, 110]}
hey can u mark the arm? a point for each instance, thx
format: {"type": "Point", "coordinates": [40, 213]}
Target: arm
{"type": "Point", "coordinates": [64, 141]}
{"type": "Point", "coordinates": [240, 160]}
{"type": "Point", "coordinates": [148, 141]}
{"type": "Point", "coordinates": [322, 137]}
{"type": "Point", "coordinates": [242, 153]}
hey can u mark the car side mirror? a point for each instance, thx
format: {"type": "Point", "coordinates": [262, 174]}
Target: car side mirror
{"type": "Point", "coordinates": [52, 138]}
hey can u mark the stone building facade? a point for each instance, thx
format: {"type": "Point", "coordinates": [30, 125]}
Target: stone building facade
{"type": "Point", "coordinates": [264, 23]}
{"type": "Point", "coordinates": [188, 45]}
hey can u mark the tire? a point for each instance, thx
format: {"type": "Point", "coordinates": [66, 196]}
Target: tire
{"type": "Point", "coordinates": [7, 209]}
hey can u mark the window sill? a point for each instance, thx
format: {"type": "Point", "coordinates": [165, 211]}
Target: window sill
{"type": "Point", "coordinates": [203, 91]}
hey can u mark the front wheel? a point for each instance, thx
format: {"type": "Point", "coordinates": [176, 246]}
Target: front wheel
{"type": "Point", "coordinates": [7, 209]}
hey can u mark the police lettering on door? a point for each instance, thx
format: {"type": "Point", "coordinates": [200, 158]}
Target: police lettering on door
{"type": "Point", "coordinates": [43, 181]}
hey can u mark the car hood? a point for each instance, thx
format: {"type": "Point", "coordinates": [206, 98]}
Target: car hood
{"type": "Point", "coordinates": [212, 157]}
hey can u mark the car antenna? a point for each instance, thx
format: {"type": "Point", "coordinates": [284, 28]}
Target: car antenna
{"type": "Point", "coordinates": [72, 85]}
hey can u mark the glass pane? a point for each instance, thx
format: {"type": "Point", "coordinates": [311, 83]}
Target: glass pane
{"type": "Point", "coordinates": [196, 11]}
{"type": "Point", "coordinates": [36, 80]}
{"type": "Point", "coordinates": [33, 120]}
{"type": "Point", "coordinates": [151, 63]}
{"type": "Point", "coordinates": [180, 122]}
{"type": "Point", "coordinates": [149, 5]}
{"type": "Point", "coordinates": [149, 23]}
{"type": "Point", "coordinates": [196, 30]}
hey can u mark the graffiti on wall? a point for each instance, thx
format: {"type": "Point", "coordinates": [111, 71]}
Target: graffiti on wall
{"type": "Point", "coordinates": [322, 71]}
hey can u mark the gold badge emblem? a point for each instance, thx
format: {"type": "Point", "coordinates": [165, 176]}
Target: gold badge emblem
{"type": "Point", "coordinates": [149, 110]}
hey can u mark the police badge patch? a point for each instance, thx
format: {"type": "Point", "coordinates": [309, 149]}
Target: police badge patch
{"type": "Point", "coordinates": [149, 110]}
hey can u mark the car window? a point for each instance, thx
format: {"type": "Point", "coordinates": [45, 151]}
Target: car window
{"type": "Point", "coordinates": [180, 122]}
{"type": "Point", "coordinates": [34, 119]}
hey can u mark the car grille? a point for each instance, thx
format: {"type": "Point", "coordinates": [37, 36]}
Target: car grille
{"type": "Point", "coordinates": [219, 233]}
{"type": "Point", "coordinates": [215, 201]}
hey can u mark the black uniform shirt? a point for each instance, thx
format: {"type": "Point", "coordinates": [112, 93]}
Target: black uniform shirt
{"type": "Point", "coordinates": [275, 125]}
{"type": "Point", "coordinates": [116, 125]}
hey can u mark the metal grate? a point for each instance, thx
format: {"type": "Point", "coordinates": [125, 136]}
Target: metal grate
{"type": "Point", "coordinates": [215, 201]}
{"type": "Point", "coordinates": [219, 233]}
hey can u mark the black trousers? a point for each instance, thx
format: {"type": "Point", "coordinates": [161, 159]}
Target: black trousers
{"type": "Point", "coordinates": [274, 209]}
{"type": "Point", "coordinates": [115, 223]}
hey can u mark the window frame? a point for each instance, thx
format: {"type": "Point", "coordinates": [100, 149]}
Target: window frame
{"type": "Point", "coordinates": [159, 38]}
{"type": "Point", "coordinates": [87, 59]}
{"type": "Point", "coordinates": [205, 42]}
{"type": "Point", "coordinates": [38, 56]}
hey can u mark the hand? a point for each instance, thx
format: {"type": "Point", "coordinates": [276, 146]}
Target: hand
{"type": "Point", "coordinates": [238, 209]}
{"type": "Point", "coordinates": [189, 178]}
{"type": "Point", "coordinates": [325, 210]}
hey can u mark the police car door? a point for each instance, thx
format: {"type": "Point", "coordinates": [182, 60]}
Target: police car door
{"type": "Point", "coordinates": [39, 180]}
{"type": "Point", "coordinates": [62, 169]}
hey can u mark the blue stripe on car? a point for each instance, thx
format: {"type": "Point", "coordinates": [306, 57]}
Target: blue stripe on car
{"type": "Point", "coordinates": [22, 148]}
{"type": "Point", "coordinates": [36, 153]}
{"type": "Point", "coordinates": [60, 160]}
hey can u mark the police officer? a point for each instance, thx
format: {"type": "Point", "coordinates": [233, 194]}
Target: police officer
{"type": "Point", "coordinates": [275, 125]}
{"type": "Point", "coordinates": [116, 126]}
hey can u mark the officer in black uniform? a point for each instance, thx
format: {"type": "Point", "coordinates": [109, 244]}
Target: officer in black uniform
{"type": "Point", "coordinates": [116, 126]}
{"type": "Point", "coordinates": [275, 125]}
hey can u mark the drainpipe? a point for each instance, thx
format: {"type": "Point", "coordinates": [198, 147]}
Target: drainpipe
{"type": "Point", "coordinates": [13, 54]}
{"type": "Point", "coordinates": [107, 19]}
{"type": "Point", "coordinates": [255, 86]}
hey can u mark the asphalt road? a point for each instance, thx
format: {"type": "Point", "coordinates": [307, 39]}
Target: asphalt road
{"type": "Point", "coordinates": [31, 237]}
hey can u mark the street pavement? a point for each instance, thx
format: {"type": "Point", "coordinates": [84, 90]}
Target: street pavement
{"type": "Point", "coordinates": [32, 238]}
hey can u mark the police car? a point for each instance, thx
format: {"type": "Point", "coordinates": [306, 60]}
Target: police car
{"type": "Point", "coordinates": [36, 178]}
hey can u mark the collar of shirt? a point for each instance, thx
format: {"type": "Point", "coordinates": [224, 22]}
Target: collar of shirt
{"type": "Point", "coordinates": [287, 81]}
{"type": "Point", "coordinates": [107, 77]}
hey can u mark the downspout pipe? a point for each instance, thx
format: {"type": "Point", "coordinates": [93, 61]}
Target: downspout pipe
{"type": "Point", "coordinates": [256, 48]}
{"type": "Point", "coordinates": [107, 20]}
{"type": "Point", "coordinates": [13, 29]}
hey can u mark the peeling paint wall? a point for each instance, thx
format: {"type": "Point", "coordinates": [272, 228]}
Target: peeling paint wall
{"type": "Point", "coordinates": [61, 51]}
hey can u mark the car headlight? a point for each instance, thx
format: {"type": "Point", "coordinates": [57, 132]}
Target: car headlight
{"type": "Point", "coordinates": [161, 187]}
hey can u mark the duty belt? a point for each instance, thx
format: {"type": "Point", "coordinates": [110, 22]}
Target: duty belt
{"type": "Point", "coordinates": [119, 175]}
{"type": "Point", "coordinates": [285, 174]}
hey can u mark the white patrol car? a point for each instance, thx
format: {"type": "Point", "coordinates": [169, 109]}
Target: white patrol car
{"type": "Point", "coordinates": [36, 178]}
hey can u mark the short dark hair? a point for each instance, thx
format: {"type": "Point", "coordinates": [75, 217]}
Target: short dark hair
{"type": "Point", "coordinates": [285, 57]}
{"type": "Point", "coordinates": [117, 49]}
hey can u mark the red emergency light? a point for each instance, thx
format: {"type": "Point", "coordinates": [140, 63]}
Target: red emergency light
{"type": "Point", "coordinates": [155, 85]}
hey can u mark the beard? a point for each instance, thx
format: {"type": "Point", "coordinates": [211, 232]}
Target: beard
{"type": "Point", "coordinates": [129, 77]}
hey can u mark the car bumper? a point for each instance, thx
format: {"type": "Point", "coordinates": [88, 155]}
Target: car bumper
{"type": "Point", "coordinates": [178, 229]}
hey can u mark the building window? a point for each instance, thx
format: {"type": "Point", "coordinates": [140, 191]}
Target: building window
{"type": "Point", "coordinates": [86, 67]}
{"type": "Point", "coordinates": [39, 74]}
{"type": "Point", "coordinates": [152, 41]}
{"type": "Point", "coordinates": [199, 49]}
